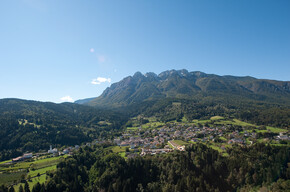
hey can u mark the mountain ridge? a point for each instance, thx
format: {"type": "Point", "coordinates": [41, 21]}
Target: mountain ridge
{"type": "Point", "coordinates": [184, 84]}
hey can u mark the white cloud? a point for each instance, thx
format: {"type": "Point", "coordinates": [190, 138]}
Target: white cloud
{"type": "Point", "coordinates": [67, 99]}
{"type": "Point", "coordinates": [101, 58]}
{"type": "Point", "coordinates": [100, 80]}
{"type": "Point", "coordinates": [92, 50]}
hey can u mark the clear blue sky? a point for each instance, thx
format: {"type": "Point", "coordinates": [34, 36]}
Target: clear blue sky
{"type": "Point", "coordinates": [53, 49]}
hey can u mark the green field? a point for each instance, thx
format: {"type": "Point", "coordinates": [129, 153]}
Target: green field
{"type": "Point", "coordinates": [223, 138]}
{"type": "Point", "coordinates": [15, 167]}
{"type": "Point", "coordinates": [2, 162]}
{"type": "Point", "coordinates": [36, 164]}
{"type": "Point", "coordinates": [201, 121]}
{"type": "Point", "coordinates": [184, 120]}
{"type": "Point", "coordinates": [276, 130]}
{"type": "Point", "coordinates": [180, 142]}
{"type": "Point", "coordinates": [41, 179]}
{"type": "Point", "coordinates": [123, 154]}
{"type": "Point", "coordinates": [48, 162]}
{"type": "Point", "coordinates": [209, 121]}
{"type": "Point", "coordinates": [9, 178]}
{"type": "Point", "coordinates": [216, 118]}
{"type": "Point", "coordinates": [271, 129]}
{"type": "Point", "coordinates": [117, 149]}
{"type": "Point", "coordinates": [234, 122]}
{"type": "Point", "coordinates": [217, 148]}
{"type": "Point", "coordinates": [132, 128]}
{"type": "Point", "coordinates": [261, 131]}
{"type": "Point", "coordinates": [104, 123]}
{"type": "Point", "coordinates": [152, 124]}
{"type": "Point", "coordinates": [13, 173]}
{"type": "Point", "coordinates": [41, 171]}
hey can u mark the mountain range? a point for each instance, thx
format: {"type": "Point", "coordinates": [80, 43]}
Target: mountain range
{"type": "Point", "coordinates": [198, 95]}
{"type": "Point", "coordinates": [182, 84]}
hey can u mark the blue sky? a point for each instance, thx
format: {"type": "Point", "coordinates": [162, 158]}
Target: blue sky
{"type": "Point", "coordinates": [53, 50]}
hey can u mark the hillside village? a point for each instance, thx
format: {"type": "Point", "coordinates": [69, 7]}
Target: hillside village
{"type": "Point", "coordinates": [175, 136]}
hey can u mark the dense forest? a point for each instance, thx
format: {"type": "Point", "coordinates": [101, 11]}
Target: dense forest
{"type": "Point", "coordinates": [199, 168]}
{"type": "Point", "coordinates": [33, 126]}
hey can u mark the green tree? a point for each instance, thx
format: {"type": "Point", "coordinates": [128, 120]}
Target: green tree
{"type": "Point", "coordinates": [51, 186]}
{"type": "Point", "coordinates": [11, 189]}
{"type": "Point", "coordinates": [3, 188]}
{"type": "Point", "coordinates": [42, 188]}
{"type": "Point", "coordinates": [21, 188]}
{"type": "Point", "coordinates": [36, 187]}
{"type": "Point", "coordinates": [26, 187]}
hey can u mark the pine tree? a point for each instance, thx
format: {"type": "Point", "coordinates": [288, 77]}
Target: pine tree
{"type": "Point", "coordinates": [11, 189]}
{"type": "Point", "coordinates": [42, 188]}
{"type": "Point", "coordinates": [3, 188]}
{"type": "Point", "coordinates": [21, 188]}
{"type": "Point", "coordinates": [26, 187]}
{"type": "Point", "coordinates": [36, 187]}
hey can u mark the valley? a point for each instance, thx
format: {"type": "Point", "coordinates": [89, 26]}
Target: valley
{"type": "Point", "coordinates": [145, 96]}
{"type": "Point", "coordinates": [176, 131]}
{"type": "Point", "coordinates": [147, 136]}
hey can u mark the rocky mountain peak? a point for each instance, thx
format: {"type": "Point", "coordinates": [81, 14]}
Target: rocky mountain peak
{"type": "Point", "coordinates": [184, 84]}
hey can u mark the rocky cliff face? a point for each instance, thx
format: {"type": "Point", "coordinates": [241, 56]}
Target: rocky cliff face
{"type": "Point", "coordinates": [184, 84]}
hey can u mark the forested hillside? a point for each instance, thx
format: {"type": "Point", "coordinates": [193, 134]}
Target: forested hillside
{"type": "Point", "coordinates": [33, 126]}
{"type": "Point", "coordinates": [198, 169]}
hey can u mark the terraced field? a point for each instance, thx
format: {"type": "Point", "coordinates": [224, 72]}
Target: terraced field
{"type": "Point", "coordinates": [32, 170]}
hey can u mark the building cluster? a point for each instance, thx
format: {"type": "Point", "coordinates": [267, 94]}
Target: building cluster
{"type": "Point", "coordinates": [52, 151]}
{"type": "Point", "coordinates": [154, 151]}
{"type": "Point", "coordinates": [23, 157]}
{"type": "Point", "coordinates": [157, 138]}
{"type": "Point", "coordinates": [68, 150]}
{"type": "Point", "coordinates": [153, 141]}
{"type": "Point", "coordinates": [282, 137]}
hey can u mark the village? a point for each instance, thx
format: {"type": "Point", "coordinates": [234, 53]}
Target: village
{"type": "Point", "coordinates": [53, 152]}
{"type": "Point", "coordinates": [175, 136]}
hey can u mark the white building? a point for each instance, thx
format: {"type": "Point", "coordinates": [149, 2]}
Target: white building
{"type": "Point", "coordinates": [52, 150]}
